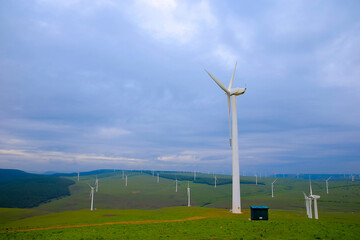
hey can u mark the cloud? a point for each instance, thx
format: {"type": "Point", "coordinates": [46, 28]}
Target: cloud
{"type": "Point", "coordinates": [171, 20]}
{"type": "Point", "coordinates": [47, 157]}
{"type": "Point", "coordinates": [225, 56]}
{"type": "Point", "coordinates": [112, 132]}
{"type": "Point", "coordinates": [339, 60]}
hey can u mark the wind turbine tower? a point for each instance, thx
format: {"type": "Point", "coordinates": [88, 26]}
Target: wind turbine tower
{"type": "Point", "coordinates": [215, 181]}
{"type": "Point", "coordinates": [97, 184]}
{"type": "Point", "coordinates": [78, 176]}
{"type": "Point", "coordinates": [126, 181]}
{"type": "Point", "coordinates": [188, 195]}
{"type": "Point", "coordinates": [91, 197]}
{"type": "Point", "coordinates": [231, 99]}
{"type": "Point", "coordinates": [176, 183]}
{"type": "Point", "coordinates": [272, 188]}
{"type": "Point", "coordinates": [122, 174]}
{"type": "Point", "coordinates": [157, 177]}
{"type": "Point", "coordinates": [327, 185]}
{"type": "Point", "coordinates": [194, 175]}
{"type": "Point", "coordinates": [256, 178]}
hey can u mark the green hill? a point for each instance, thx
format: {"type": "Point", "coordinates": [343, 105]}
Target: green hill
{"type": "Point", "coordinates": [23, 190]}
{"type": "Point", "coordinates": [143, 192]}
{"type": "Point", "coordinates": [11, 174]}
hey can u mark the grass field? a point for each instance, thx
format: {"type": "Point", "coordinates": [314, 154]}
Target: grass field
{"type": "Point", "coordinates": [158, 206]}
{"type": "Point", "coordinates": [216, 224]}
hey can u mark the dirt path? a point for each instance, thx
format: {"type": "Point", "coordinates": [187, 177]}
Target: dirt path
{"type": "Point", "coordinates": [102, 224]}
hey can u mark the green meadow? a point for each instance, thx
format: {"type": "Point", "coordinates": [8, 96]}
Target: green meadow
{"type": "Point", "coordinates": [152, 207]}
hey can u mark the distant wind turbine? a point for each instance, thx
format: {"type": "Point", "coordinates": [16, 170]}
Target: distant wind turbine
{"type": "Point", "coordinates": [78, 176]}
{"type": "Point", "coordinates": [194, 175]}
{"type": "Point", "coordinates": [256, 178]}
{"type": "Point", "coordinates": [91, 197]}
{"type": "Point", "coordinates": [176, 183]}
{"type": "Point", "coordinates": [272, 188]}
{"type": "Point", "coordinates": [157, 177]}
{"type": "Point", "coordinates": [215, 181]}
{"type": "Point", "coordinates": [327, 185]}
{"type": "Point", "coordinates": [122, 174]}
{"type": "Point", "coordinates": [97, 184]}
{"type": "Point", "coordinates": [126, 181]}
{"type": "Point", "coordinates": [231, 99]}
{"type": "Point", "coordinates": [308, 206]}
{"type": "Point", "coordinates": [188, 195]}
{"type": "Point", "coordinates": [315, 198]}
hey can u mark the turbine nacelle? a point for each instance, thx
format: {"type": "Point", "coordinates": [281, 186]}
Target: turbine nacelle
{"type": "Point", "coordinates": [315, 196]}
{"type": "Point", "coordinates": [237, 91]}
{"type": "Point", "coordinates": [230, 91]}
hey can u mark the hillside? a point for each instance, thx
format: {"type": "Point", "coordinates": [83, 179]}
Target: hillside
{"type": "Point", "coordinates": [11, 174]}
{"type": "Point", "coordinates": [19, 189]}
{"type": "Point", "coordinates": [143, 192]}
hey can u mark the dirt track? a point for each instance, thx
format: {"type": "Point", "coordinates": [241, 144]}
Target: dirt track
{"type": "Point", "coordinates": [102, 224]}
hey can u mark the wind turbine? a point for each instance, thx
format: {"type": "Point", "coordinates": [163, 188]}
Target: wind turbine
{"type": "Point", "coordinates": [97, 184]}
{"type": "Point", "coordinates": [91, 197]}
{"type": "Point", "coordinates": [122, 174]}
{"type": "Point", "coordinates": [315, 198]}
{"type": "Point", "coordinates": [327, 185]}
{"type": "Point", "coordinates": [233, 130]}
{"type": "Point", "coordinates": [256, 178]}
{"type": "Point", "coordinates": [272, 188]}
{"type": "Point", "coordinates": [194, 175]}
{"type": "Point", "coordinates": [126, 181]}
{"type": "Point", "coordinates": [78, 176]}
{"type": "Point", "coordinates": [176, 183]}
{"type": "Point", "coordinates": [157, 177]}
{"type": "Point", "coordinates": [215, 181]}
{"type": "Point", "coordinates": [308, 204]}
{"type": "Point", "coordinates": [188, 195]}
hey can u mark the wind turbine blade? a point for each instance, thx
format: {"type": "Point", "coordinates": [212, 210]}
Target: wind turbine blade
{"type": "Point", "coordinates": [218, 82]}
{"type": "Point", "coordinates": [232, 79]}
{"type": "Point", "coordinates": [228, 101]}
{"type": "Point", "coordinates": [275, 180]}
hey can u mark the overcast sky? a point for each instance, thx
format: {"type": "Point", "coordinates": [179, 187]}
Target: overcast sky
{"type": "Point", "coordinates": [121, 84]}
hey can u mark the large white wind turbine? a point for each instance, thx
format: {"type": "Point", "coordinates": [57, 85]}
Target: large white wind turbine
{"type": "Point", "coordinates": [231, 99]}
{"type": "Point", "coordinates": [272, 188]}
{"type": "Point", "coordinates": [188, 195]}
{"type": "Point", "coordinates": [91, 197]}
{"type": "Point", "coordinates": [327, 185]}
